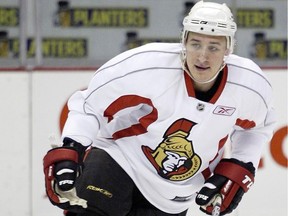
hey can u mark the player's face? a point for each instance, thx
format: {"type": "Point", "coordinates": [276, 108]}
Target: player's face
{"type": "Point", "coordinates": [204, 55]}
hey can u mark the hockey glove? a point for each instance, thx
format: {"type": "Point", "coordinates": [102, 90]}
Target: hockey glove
{"type": "Point", "coordinates": [231, 179]}
{"type": "Point", "coordinates": [61, 168]}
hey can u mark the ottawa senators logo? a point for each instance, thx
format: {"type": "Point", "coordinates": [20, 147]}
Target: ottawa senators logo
{"type": "Point", "coordinates": [174, 158]}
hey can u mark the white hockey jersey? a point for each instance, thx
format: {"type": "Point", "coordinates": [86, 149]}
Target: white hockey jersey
{"type": "Point", "coordinates": [141, 108]}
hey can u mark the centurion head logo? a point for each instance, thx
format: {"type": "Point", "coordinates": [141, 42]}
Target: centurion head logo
{"type": "Point", "coordinates": [174, 158]}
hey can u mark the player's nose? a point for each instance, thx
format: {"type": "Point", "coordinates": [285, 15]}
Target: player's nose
{"type": "Point", "coordinates": [202, 55]}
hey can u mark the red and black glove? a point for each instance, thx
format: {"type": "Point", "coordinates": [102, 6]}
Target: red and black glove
{"type": "Point", "coordinates": [61, 168]}
{"type": "Point", "coordinates": [231, 179]}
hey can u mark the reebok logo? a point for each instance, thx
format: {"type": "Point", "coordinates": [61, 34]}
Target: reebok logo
{"type": "Point", "coordinates": [100, 190]}
{"type": "Point", "coordinates": [224, 110]}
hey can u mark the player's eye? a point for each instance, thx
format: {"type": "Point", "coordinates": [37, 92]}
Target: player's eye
{"type": "Point", "coordinates": [195, 45]}
{"type": "Point", "coordinates": [213, 48]}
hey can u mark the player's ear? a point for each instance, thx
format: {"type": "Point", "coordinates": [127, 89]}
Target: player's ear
{"type": "Point", "coordinates": [227, 52]}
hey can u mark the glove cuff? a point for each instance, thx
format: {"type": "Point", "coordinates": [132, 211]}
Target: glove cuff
{"type": "Point", "coordinates": [236, 171]}
{"type": "Point", "coordinates": [70, 143]}
{"type": "Point", "coordinates": [60, 154]}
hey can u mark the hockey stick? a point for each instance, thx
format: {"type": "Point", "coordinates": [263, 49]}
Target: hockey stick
{"type": "Point", "coordinates": [216, 205]}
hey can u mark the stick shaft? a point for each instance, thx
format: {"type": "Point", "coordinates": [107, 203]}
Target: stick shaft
{"type": "Point", "coordinates": [217, 205]}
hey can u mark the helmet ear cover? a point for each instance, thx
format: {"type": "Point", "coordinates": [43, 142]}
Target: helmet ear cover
{"type": "Point", "coordinates": [210, 18]}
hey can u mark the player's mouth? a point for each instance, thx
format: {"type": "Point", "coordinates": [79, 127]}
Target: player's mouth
{"type": "Point", "coordinates": [201, 68]}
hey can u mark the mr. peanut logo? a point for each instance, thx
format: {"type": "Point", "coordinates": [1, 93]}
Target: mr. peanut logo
{"type": "Point", "coordinates": [174, 158]}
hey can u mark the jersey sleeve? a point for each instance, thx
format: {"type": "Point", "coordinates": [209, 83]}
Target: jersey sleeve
{"type": "Point", "coordinates": [247, 144]}
{"type": "Point", "coordinates": [256, 122]}
{"type": "Point", "coordinates": [80, 126]}
{"type": "Point", "coordinates": [119, 97]}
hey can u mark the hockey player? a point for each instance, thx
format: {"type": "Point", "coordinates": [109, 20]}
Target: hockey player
{"type": "Point", "coordinates": [147, 137]}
